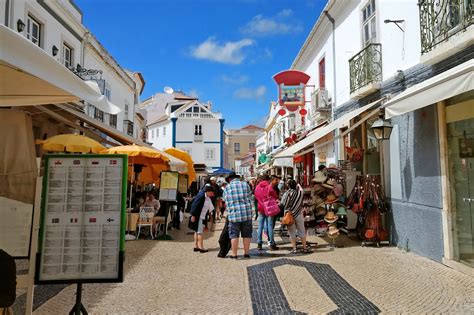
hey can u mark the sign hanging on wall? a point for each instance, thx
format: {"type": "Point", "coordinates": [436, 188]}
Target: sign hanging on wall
{"type": "Point", "coordinates": [291, 91]}
{"type": "Point", "coordinates": [82, 219]}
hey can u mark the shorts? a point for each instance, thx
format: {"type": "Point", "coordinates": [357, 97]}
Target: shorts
{"type": "Point", "coordinates": [297, 227]}
{"type": "Point", "coordinates": [243, 229]}
{"type": "Point", "coordinates": [201, 227]}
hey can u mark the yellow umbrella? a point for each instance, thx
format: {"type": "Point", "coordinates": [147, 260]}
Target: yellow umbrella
{"type": "Point", "coordinates": [152, 160]}
{"type": "Point", "coordinates": [71, 143]}
{"type": "Point", "coordinates": [184, 156]}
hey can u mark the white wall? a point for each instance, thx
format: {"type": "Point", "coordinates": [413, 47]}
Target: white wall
{"type": "Point", "coordinates": [158, 140]}
{"type": "Point", "coordinates": [53, 32]}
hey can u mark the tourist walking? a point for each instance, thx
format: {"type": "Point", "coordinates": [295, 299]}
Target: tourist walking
{"type": "Point", "coordinates": [238, 199]}
{"type": "Point", "coordinates": [292, 201]}
{"type": "Point", "coordinates": [201, 206]}
{"type": "Point", "coordinates": [265, 190]}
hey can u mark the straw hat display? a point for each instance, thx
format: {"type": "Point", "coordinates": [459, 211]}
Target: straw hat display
{"type": "Point", "coordinates": [319, 177]}
{"type": "Point", "coordinates": [341, 210]}
{"type": "Point", "coordinates": [330, 199]}
{"type": "Point", "coordinates": [318, 202]}
{"type": "Point", "coordinates": [330, 217]}
{"type": "Point", "coordinates": [333, 231]}
{"type": "Point", "coordinates": [321, 227]}
{"type": "Point", "coordinates": [320, 211]}
{"type": "Point", "coordinates": [329, 184]}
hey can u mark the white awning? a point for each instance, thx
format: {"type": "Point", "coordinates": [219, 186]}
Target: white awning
{"type": "Point", "coordinates": [283, 162]}
{"type": "Point", "coordinates": [450, 83]}
{"type": "Point", "coordinates": [317, 134]}
{"type": "Point", "coordinates": [30, 76]}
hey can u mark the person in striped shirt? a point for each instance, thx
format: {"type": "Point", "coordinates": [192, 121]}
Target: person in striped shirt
{"type": "Point", "coordinates": [293, 201]}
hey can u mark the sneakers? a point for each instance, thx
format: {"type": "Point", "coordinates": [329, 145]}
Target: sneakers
{"type": "Point", "coordinates": [259, 246]}
{"type": "Point", "coordinates": [293, 252]}
{"type": "Point", "coordinates": [274, 247]}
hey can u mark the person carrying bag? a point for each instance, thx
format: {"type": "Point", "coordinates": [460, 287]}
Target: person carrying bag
{"type": "Point", "coordinates": [292, 202]}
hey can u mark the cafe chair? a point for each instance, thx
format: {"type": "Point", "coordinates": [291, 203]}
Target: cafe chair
{"type": "Point", "coordinates": [146, 220]}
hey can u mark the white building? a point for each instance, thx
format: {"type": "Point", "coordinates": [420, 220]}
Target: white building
{"type": "Point", "coordinates": [176, 120]}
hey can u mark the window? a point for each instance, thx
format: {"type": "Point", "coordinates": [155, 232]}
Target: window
{"type": "Point", "coordinates": [113, 120]}
{"type": "Point", "coordinates": [107, 92]}
{"type": "Point", "coordinates": [236, 148]}
{"type": "Point", "coordinates": [126, 110]}
{"type": "Point", "coordinates": [128, 127]}
{"type": "Point", "coordinates": [150, 134]}
{"type": "Point", "coordinates": [67, 55]}
{"type": "Point", "coordinates": [322, 73]}
{"type": "Point", "coordinates": [33, 30]}
{"type": "Point", "coordinates": [210, 153]}
{"type": "Point", "coordinates": [164, 131]}
{"type": "Point", "coordinates": [157, 132]}
{"type": "Point", "coordinates": [98, 114]}
{"type": "Point", "coordinates": [198, 130]}
{"type": "Point", "coordinates": [251, 146]}
{"type": "Point", "coordinates": [369, 26]}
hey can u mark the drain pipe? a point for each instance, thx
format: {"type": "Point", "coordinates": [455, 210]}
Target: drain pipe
{"type": "Point", "coordinates": [331, 19]}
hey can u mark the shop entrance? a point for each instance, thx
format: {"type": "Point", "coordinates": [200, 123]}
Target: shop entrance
{"type": "Point", "coordinates": [460, 132]}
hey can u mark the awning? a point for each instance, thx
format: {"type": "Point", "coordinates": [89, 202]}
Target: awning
{"type": "Point", "coordinates": [450, 83]}
{"type": "Point", "coordinates": [175, 163]}
{"type": "Point", "coordinates": [283, 162]}
{"type": "Point", "coordinates": [30, 76]}
{"type": "Point", "coordinates": [317, 134]}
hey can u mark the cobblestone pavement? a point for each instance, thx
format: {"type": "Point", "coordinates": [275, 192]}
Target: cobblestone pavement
{"type": "Point", "coordinates": [168, 277]}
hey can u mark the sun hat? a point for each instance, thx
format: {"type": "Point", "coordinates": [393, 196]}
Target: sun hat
{"type": "Point", "coordinates": [320, 211]}
{"type": "Point", "coordinates": [329, 183]}
{"type": "Point", "coordinates": [213, 179]}
{"type": "Point", "coordinates": [338, 190]}
{"type": "Point", "coordinates": [319, 177]}
{"type": "Point", "coordinates": [330, 217]}
{"type": "Point", "coordinates": [341, 210]}
{"type": "Point", "coordinates": [330, 199]}
{"type": "Point", "coordinates": [321, 228]}
{"type": "Point", "coordinates": [318, 201]}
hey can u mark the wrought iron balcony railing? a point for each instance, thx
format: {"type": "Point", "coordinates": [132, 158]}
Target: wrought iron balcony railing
{"type": "Point", "coordinates": [366, 67]}
{"type": "Point", "coordinates": [441, 19]}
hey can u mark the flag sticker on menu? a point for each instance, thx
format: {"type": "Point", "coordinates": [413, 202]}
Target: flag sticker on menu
{"type": "Point", "coordinates": [113, 162]}
{"type": "Point", "coordinates": [76, 162]}
{"type": "Point", "coordinates": [92, 220]}
{"type": "Point", "coordinates": [58, 163]}
{"type": "Point", "coordinates": [55, 220]}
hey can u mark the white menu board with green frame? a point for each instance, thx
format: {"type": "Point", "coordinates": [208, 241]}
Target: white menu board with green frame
{"type": "Point", "coordinates": [82, 231]}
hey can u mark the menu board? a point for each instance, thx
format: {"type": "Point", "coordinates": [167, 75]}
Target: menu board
{"type": "Point", "coordinates": [15, 227]}
{"type": "Point", "coordinates": [169, 186]}
{"type": "Point", "coordinates": [82, 223]}
{"type": "Point", "coordinates": [183, 184]}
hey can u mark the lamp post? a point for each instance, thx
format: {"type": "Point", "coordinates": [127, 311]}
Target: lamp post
{"type": "Point", "coordinates": [382, 130]}
{"type": "Point", "coordinates": [20, 25]}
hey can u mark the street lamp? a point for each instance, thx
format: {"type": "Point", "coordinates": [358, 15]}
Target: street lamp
{"type": "Point", "coordinates": [55, 50]}
{"type": "Point", "coordinates": [382, 128]}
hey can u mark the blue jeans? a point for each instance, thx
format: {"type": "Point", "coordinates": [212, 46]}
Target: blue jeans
{"type": "Point", "coordinates": [266, 223]}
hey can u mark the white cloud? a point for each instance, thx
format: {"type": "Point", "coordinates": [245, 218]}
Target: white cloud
{"type": "Point", "coordinates": [239, 79]}
{"type": "Point", "coordinates": [228, 52]}
{"type": "Point", "coordinates": [263, 26]}
{"type": "Point", "coordinates": [194, 93]}
{"type": "Point", "coordinates": [256, 94]}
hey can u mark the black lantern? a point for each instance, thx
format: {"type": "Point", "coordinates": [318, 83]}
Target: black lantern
{"type": "Point", "coordinates": [20, 26]}
{"type": "Point", "coordinates": [382, 128]}
{"type": "Point", "coordinates": [55, 50]}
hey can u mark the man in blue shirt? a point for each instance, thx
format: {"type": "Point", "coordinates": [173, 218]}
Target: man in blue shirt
{"type": "Point", "coordinates": [238, 199]}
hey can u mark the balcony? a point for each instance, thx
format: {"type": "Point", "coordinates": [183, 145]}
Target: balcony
{"type": "Point", "coordinates": [445, 28]}
{"type": "Point", "coordinates": [365, 70]}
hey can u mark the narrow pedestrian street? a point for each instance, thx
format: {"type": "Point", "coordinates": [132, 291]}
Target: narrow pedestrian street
{"type": "Point", "coordinates": [168, 277]}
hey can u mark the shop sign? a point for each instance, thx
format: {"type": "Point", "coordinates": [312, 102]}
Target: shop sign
{"type": "Point", "coordinates": [291, 91]}
{"type": "Point", "coordinates": [82, 226]}
{"type": "Point", "coordinates": [183, 184]}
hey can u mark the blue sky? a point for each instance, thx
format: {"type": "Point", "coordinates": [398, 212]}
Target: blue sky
{"type": "Point", "coordinates": [224, 51]}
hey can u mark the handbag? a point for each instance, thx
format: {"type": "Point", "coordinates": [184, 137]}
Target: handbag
{"type": "Point", "coordinates": [288, 218]}
{"type": "Point", "coordinates": [270, 205]}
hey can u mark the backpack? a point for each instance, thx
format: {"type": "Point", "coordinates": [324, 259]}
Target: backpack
{"type": "Point", "coordinates": [8, 282]}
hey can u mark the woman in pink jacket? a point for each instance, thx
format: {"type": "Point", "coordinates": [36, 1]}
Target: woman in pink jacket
{"type": "Point", "coordinates": [266, 189]}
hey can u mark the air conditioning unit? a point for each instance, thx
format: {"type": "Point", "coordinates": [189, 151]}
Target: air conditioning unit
{"type": "Point", "coordinates": [320, 99]}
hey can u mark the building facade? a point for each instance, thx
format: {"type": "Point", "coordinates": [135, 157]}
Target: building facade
{"type": "Point", "coordinates": [176, 120]}
{"type": "Point", "coordinates": [410, 60]}
{"type": "Point", "coordinates": [239, 142]}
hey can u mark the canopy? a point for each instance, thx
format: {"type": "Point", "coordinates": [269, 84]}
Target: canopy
{"type": "Point", "coordinates": [221, 171]}
{"type": "Point", "coordinates": [184, 156]}
{"type": "Point", "coordinates": [283, 162]}
{"type": "Point", "coordinates": [139, 154]}
{"type": "Point", "coordinates": [450, 83]}
{"type": "Point", "coordinates": [71, 143]}
{"type": "Point", "coordinates": [321, 132]}
{"type": "Point", "coordinates": [30, 76]}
